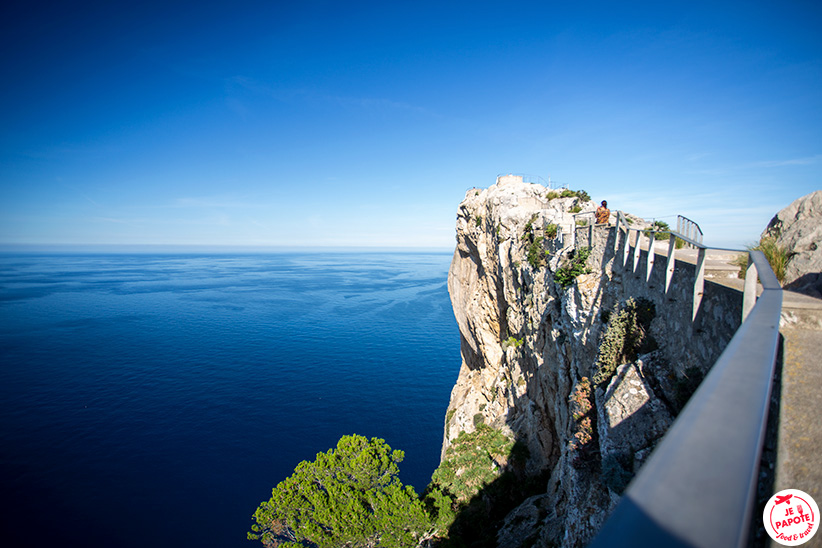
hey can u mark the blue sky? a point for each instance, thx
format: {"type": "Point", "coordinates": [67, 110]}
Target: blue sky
{"type": "Point", "coordinates": [364, 123]}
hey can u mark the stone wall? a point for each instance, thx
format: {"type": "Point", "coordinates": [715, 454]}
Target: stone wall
{"type": "Point", "coordinates": [699, 342]}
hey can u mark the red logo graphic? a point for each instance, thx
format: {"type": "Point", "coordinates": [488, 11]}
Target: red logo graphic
{"type": "Point", "coordinates": [791, 517]}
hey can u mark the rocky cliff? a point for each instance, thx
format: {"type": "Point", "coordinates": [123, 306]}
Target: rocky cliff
{"type": "Point", "coordinates": [798, 228]}
{"type": "Point", "coordinates": [579, 362]}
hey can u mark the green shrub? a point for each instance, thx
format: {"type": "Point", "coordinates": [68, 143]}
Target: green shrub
{"type": "Point", "coordinates": [482, 475]}
{"type": "Point", "coordinates": [478, 220]}
{"type": "Point", "coordinates": [776, 254]}
{"type": "Point", "coordinates": [535, 254]}
{"type": "Point", "coordinates": [512, 342]}
{"type": "Point", "coordinates": [777, 257]}
{"type": "Point", "coordinates": [741, 261]}
{"type": "Point", "coordinates": [551, 231]}
{"type": "Point", "coordinates": [551, 195]}
{"type": "Point", "coordinates": [348, 496]}
{"type": "Point", "coordinates": [575, 209]}
{"type": "Point", "coordinates": [582, 222]}
{"type": "Point", "coordinates": [626, 337]}
{"type": "Point", "coordinates": [576, 265]}
{"type": "Point", "coordinates": [442, 508]}
{"type": "Point", "coordinates": [657, 226]}
{"type": "Point", "coordinates": [471, 462]}
{"type": "Point", "coordinates": [662, 236]}
{"type": "Point", "coordinates": [448, 416]}
{"type": "Point", "coordinates": [581, 194]}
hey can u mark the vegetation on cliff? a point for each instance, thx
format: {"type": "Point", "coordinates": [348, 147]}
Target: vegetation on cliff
{"type": "Point", "coordinates": [567, 193]}
{"type": "Point", "coordinates": [352, 496]}
{"type": "Point", "coordinates": [482, 475]}
{"type": "Point", "coordinates": [583, 442]}
{"type": "Point", "coordinates": [662, 234]}
{"type": "Point", "coordinates": [625, 338]}
{"type": "Point", "coordinates": [348, 496]}
{"type": "Point", "coordinates": [576, 265]}
{"type": "Point", "coordinates": [776, 254]}
{"type": "Point", "coordinates": [472, 461]}
{"type": "Point", "coordinates": [535, 253]}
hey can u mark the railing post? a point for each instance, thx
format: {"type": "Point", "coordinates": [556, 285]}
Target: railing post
{"type": "Point", "coordinates": [637, 249]}
{"type": "Point", "coordinates": [669, 272]}
{"type": "Point", "coordinates": [627, 249]}
{"type": "Point", "coordinates": [749, 295]}
{"type": "Point", "coordinates": [699, 281]}
{"type": "Point", "coordinates": [616, 234]}
{"type": "Point", "coordinates": [651, 257]}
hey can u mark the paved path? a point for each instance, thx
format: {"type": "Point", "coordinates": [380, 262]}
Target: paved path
{"type": "Point", "coordinates": [799, 438]}
{"type": "Point", "coordinates": [799, 429]}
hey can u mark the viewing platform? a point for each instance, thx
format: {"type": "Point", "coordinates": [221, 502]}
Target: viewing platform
{"type": "Point", "coordinates": [799, 400]}
{"type": "Point", "coordinates": [790, 445]}
{"type": "Point", "coordinates": [794, 450]}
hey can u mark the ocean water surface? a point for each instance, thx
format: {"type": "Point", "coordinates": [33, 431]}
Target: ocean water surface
{"type": "Point", "coordinates": [155, 400]}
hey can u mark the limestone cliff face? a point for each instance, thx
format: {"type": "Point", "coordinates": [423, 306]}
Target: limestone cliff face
{"type": "Point", "coordinates": [525, 343]}
{"type": "Point", "coordinates": [497, 299]}
{"type": "Point", "coordinates": [529, 350]}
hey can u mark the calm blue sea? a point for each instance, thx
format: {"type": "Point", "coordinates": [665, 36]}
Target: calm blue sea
{"type": "Point", "coordinates": [155, 400]}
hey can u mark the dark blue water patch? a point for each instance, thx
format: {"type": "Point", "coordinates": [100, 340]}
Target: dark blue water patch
{"type": "Point", "coordinates": [155, 400]}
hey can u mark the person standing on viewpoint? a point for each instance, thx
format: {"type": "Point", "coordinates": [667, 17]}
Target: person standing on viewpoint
{"type": "Point", "coordinates": [603, 214]}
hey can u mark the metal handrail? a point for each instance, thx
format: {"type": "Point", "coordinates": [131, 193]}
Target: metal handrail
{"type": "Point", "coordinates": [698, 487]}
{"type": "Point", "coordinates": [749, 294]}
{"type": "Point", "coordinates": [688, 228]}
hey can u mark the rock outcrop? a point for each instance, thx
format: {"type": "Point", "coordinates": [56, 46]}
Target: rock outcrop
{"type": "Point", "coordinates": [798, 228]}
{"type": "Point", "coordinates": [535, 352]}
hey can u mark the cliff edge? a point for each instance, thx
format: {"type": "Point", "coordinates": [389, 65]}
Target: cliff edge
{"type": "Point", "coordinates": [582, 364]}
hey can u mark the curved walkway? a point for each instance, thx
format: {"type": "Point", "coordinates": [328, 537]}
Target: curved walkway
{"type": "Point", "coordinates": [799, 437]}
{"type": "Point", "coordinates": [798, 392]}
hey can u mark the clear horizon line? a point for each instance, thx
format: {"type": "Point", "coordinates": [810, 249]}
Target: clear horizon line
{"type": "Point", "coordinates": [215, 248]}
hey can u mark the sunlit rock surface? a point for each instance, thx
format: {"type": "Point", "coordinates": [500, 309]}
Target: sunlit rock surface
{"type": "Point", "coordinates": [798, 228]}
{"type": "Point", "coordinates": [529, 349]}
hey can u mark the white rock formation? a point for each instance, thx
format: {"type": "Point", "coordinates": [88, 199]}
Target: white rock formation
{"type": "Point", "coordinates": [529, 348]}
{"type": "Point", "coordinates": [799, 228]}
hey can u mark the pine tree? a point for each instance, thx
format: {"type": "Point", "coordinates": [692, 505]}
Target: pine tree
{"type": "Point", "coordinates": [349, 496]}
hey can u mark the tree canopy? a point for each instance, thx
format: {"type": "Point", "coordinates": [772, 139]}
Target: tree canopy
{"type": "Point", "coordinates": [349, 496]}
